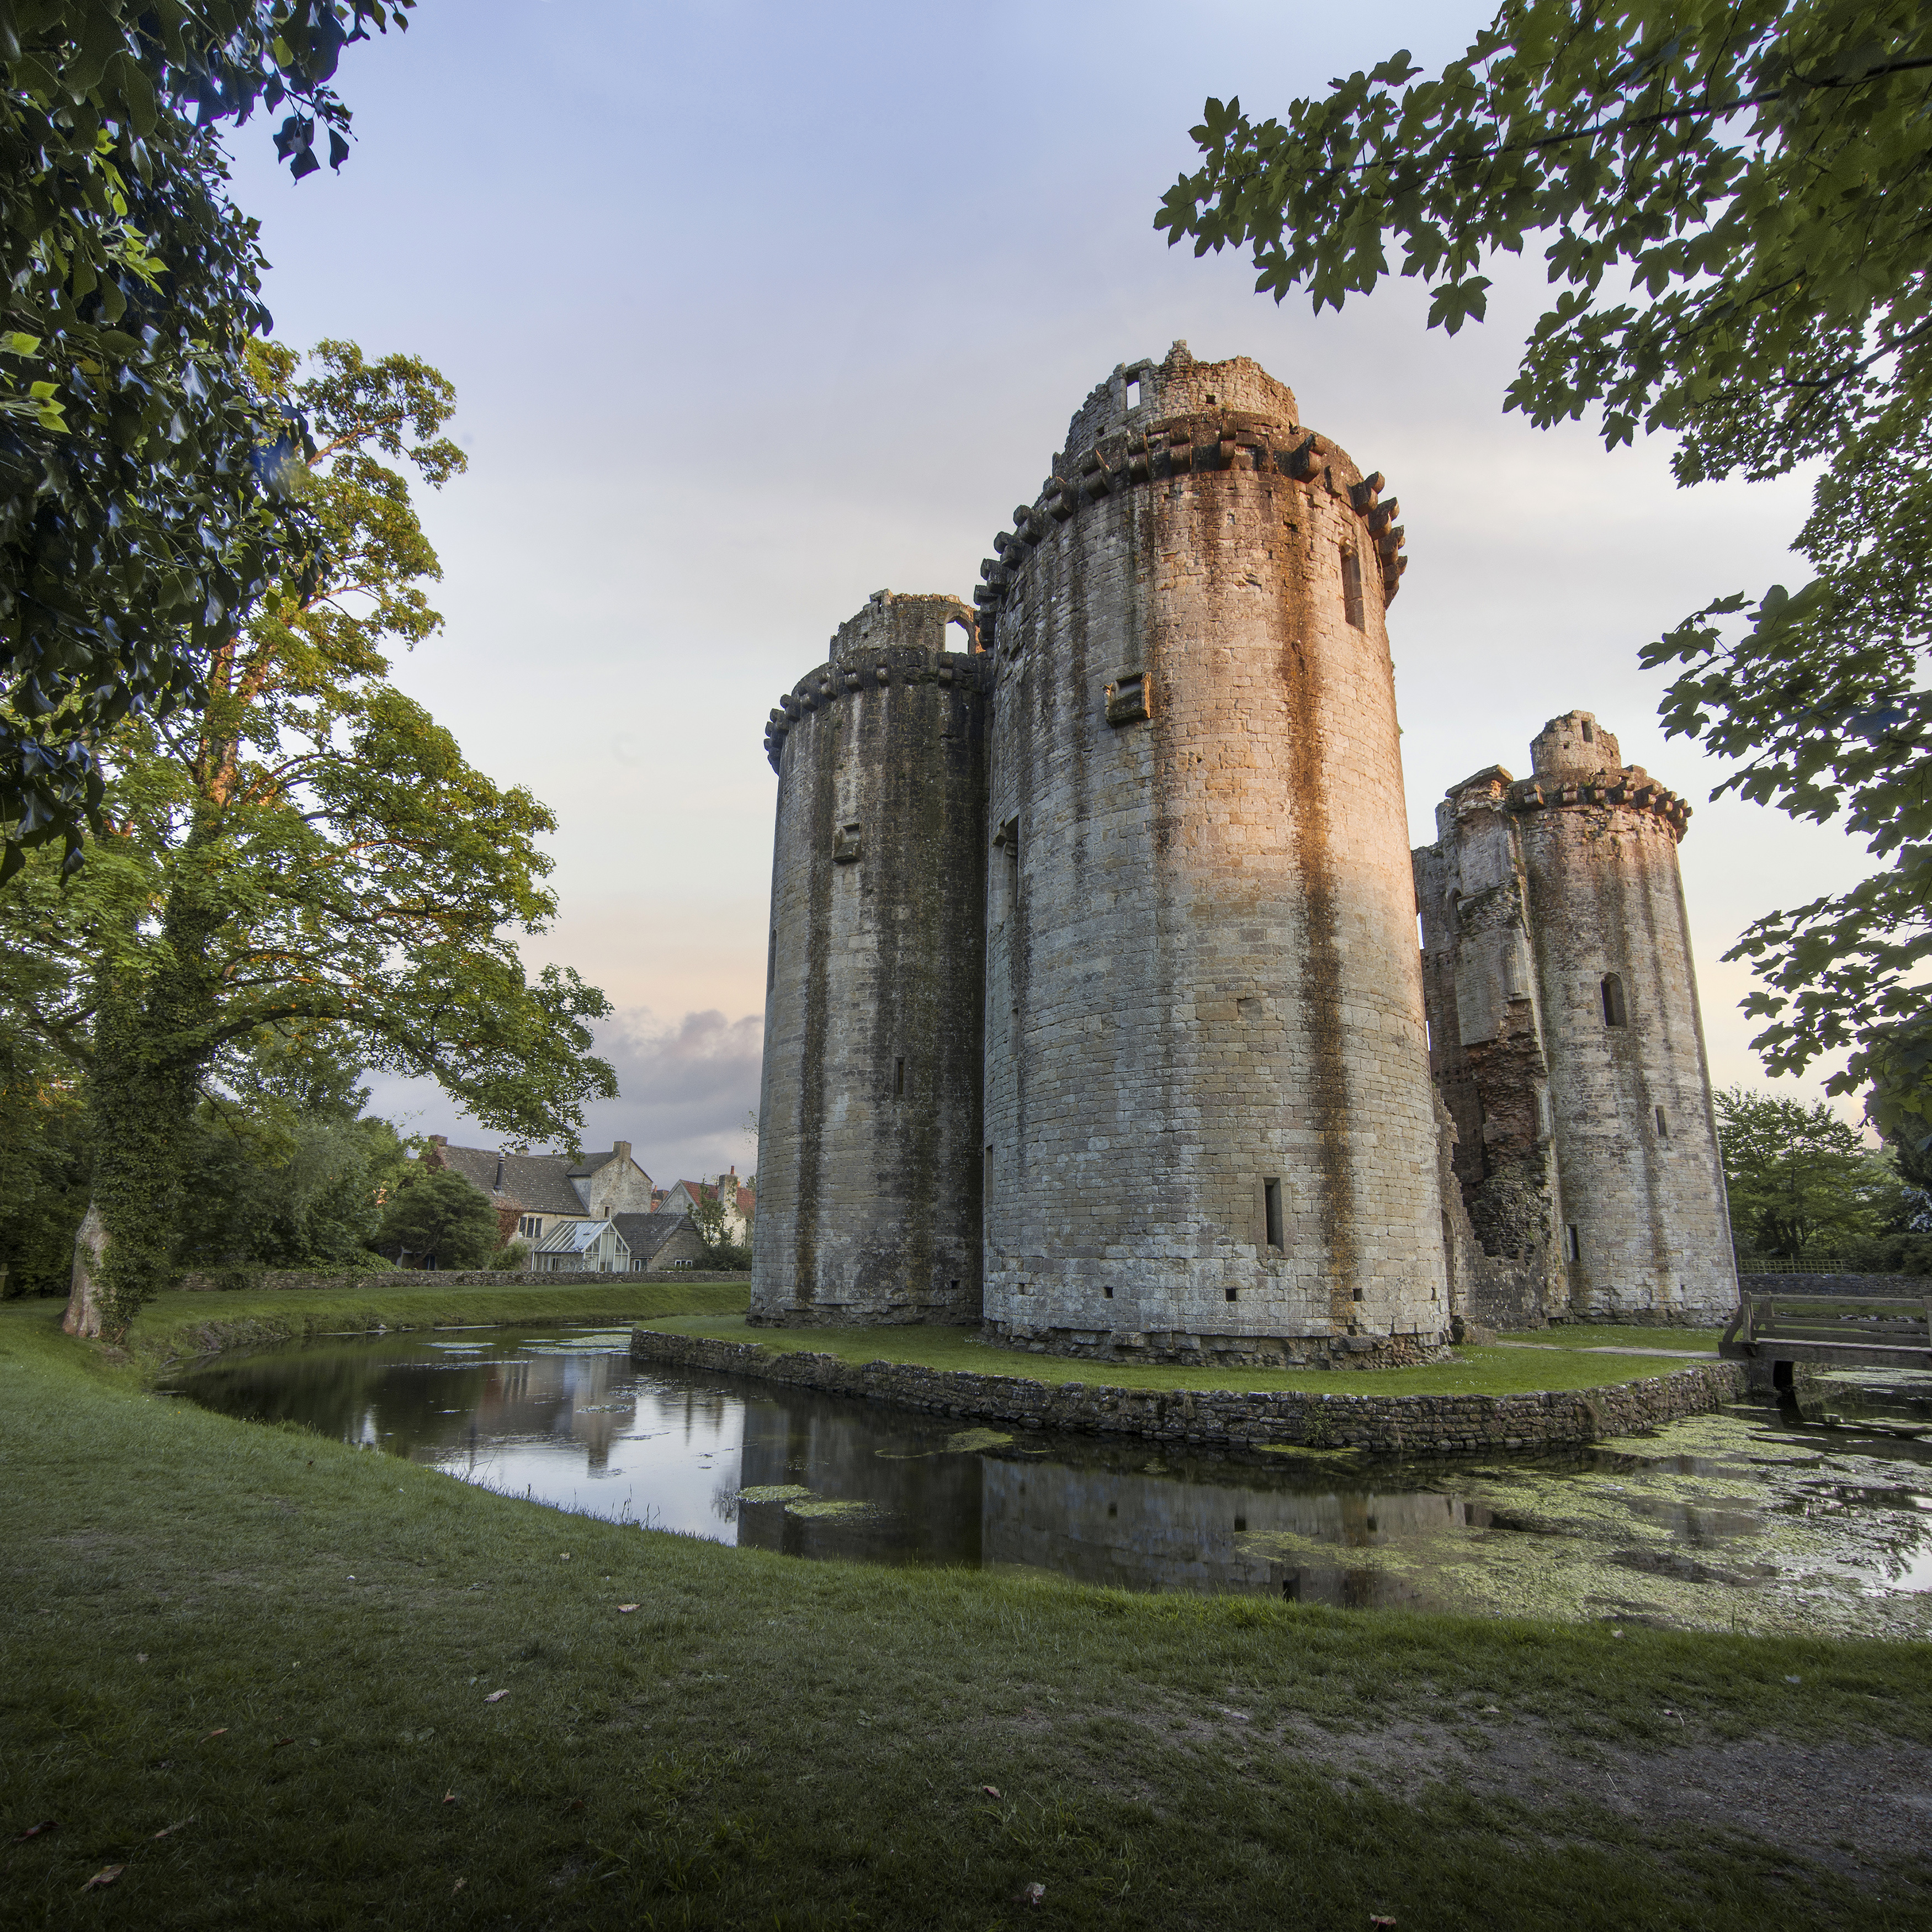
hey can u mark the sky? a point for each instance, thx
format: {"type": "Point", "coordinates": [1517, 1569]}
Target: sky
{"type": "Point", "coordinates": [753, 310]}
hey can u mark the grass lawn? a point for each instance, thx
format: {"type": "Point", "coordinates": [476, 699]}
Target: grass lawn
{"type": "Point", "coordinates": [278, 1681]}
{"type": "Point", "coordinates": [1482, 1371]}
{"type": "Point", "coordinates": [1598, 1335]}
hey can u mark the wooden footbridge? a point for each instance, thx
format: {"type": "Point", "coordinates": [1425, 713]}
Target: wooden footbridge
{"type": "Point", "coordinates": [1844, 1331]}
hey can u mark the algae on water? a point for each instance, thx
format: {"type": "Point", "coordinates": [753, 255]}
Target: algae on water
{"type": "Point", "coordinates": [773, 1493]}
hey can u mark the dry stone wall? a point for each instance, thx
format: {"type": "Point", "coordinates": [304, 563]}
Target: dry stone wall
{"type": "Point", "coordinates": [1413, 1425]}
{"type": "Point", "coordinates": [868, 1172]}
{"type": "Point", "coordinates": [1208, 1116]}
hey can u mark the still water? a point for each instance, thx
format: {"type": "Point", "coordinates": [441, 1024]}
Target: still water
{"type": "Point", "coordinates": [1751, 1518]}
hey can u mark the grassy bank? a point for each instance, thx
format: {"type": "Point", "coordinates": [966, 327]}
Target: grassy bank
{"type": "Point", "coordinates": [259, 1672]}
{"type": "Point", "coordinates": [173, 1327]}
{"type": "Point", "coordinates": [1475, 1371]}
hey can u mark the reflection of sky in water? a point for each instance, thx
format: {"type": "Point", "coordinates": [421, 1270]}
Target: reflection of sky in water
{"type": "Point", "coordinates": [1712, 1510]}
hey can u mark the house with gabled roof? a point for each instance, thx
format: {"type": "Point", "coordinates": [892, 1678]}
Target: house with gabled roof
{"type": "Point", "coordinates": [624, 1244]}
{"type": "Point", "coordinates": [536, 1194]}
{"type": "Point", "coordinates": [741, 1202]}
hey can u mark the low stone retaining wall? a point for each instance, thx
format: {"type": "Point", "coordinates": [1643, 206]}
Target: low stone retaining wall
{"type": "Point", "coordinates": [295, 1280]}
{"type": "Point", "coordinates": [1411, 1424]}
{"type": "Point", "coordinates": [1886, 1287]}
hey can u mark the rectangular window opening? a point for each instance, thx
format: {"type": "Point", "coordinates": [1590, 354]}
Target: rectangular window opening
{"type": "Point", "coordinates": [1662, 1126]}
{"type": "Point", "coordinates": [1351, 589]}
{"type": "Point", "coordinates": [1231, 1293]}
{"type": "Point", "coordinates": [1276, 1232]}
{"type": "Point", "coordinates": [1615, 1013]}
{"type": "Point", "coordinates": [898, 1080]}
{"type": "Point", "coordinates": [1572, 1248]}
{"type": "Point", "coordinates": [1108, 1293]}
{"type": "Point", "coordinates": [1357, 1296]}
{"type": "Point", "coordinates": [1133, 392]}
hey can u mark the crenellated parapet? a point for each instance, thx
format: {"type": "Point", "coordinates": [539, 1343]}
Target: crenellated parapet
{"type": "Point", "coordinates": [1116, 445]}
{"type": "Point", "coordinates": [859, 664]}
{"type": "Point", "coordinates": [1632, 786]}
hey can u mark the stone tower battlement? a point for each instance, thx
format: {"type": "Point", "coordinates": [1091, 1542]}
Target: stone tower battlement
{"type": "Point", "coordinates": [869, 1178]}
{"type": "Point", "coordinates": [895, 638]}
{"type": "Point", "coordinates": [1565, 1039]}
{"type": "Point", "coordinates": [1191, 418]}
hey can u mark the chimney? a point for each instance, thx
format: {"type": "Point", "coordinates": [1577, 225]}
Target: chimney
{"type": "Point", "coordinates": [497, 1186]}
{"type": "Point", "coordinates": [620, 1150]}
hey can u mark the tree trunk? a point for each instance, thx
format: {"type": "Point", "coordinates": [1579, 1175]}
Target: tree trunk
{"type": "Point", "coordinates": [83, 1305]}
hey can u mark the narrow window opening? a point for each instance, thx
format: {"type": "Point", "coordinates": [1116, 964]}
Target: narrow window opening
{"type": "Point", "coordinates": [1352, 588]}
{"type": "Point", "coordinates": [1108, 1293]}
{"type": "Point", "coordinates": [1133, 392]}
{"type": "Point", "coordinates": [1614, 1012]}
{"type": "Point", "coordinates": [1271, 1214]}
{"type": "Point", "coordinates": [1240, 1525]}
{"type": "Point", "coordinates": [1572, 1248]}
{"type": "Point", "coordinates": [1232, 1292]}
{"type": "Point", "coordinates": [1589, 735]}
{"type": "Point", "coordinates": [898, 1080]}
{"type": "Point", "coordinates": [1357, 1296]}
{"type": "Point", "coordinates": [988, 1188]}
{"type": "Point", "coordinates": [952, 1288]}
{"type": "Point", "coordinates": [1662, 1126]}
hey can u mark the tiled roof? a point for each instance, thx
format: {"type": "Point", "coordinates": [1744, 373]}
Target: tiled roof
{"type": "Point", "coordinates": [538, 1183]}
{"type": "Point", "coordinates": [644, 1234]}
{"type": "Point", "coordinates": [582, 1170]}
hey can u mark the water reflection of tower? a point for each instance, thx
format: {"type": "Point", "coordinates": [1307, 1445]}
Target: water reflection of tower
{"type": "Point", "coordinates": [925, 1503]}
{"type": "Point", "coordinates": [554, 1395]}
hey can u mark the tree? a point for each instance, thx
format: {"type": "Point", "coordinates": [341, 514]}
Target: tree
{"type": "Point", "coordinates": [280, 1169]}
{"type": "Point", "coordinates": [715, 1216]}
{"type": "Point", "coordinates": [1799, 1177]}
{"type": "Point", "coordinates": [309, 849]}
{"type": "Point", "coordinates": [1733, 198]}
{"type": "Point", "coordinates": [45, 1145]}
{"type": "Point", "coordinates": [142, 501]}
{"type": "Point", "coordinates": [436, 1215]}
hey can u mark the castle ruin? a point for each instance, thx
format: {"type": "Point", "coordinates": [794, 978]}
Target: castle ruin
{"type": "Point", "coordinates": [1095, 1012]}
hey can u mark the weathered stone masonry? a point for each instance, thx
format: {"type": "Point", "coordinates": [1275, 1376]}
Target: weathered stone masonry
{"type": "Point", "coordinates": [1095, 1008]}
{"type": "Point", "coordinates": [869, 1181]}
{"type": "Point", "coordinates": [1414, 1425]}
{"type": "Point", "coordinates": [1565, 1037]}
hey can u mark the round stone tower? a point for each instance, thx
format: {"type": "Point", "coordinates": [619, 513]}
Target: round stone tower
{"type": "Point", "coordinates": [1209, 1123]}
{"type": "Point", "coordinates": [869, 1174]}
{"type": "Point", "coordinates": [1646, 1231]}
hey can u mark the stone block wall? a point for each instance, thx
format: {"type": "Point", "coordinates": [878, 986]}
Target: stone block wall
{"type": "Point", "coordinates": [868, 1171]}
{"type": "Point", "coordinates": [1412, 1425]}
{"type": "Point", "coordinates": [1207, 1108]}
{"type": "Point", "coordinates": [1565, 1037]}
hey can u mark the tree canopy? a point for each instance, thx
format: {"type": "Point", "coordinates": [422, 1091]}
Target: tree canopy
{"type": "Point", "coordinates": [1800, 1180]}
{"type": "Point", "coordinates": [144, 497]}
{"type": "Point", "coordinates": [1732, 204]}
{"type": "Point", "coordinates": [307, 850]}
{"type": "Point", "coordinates": [438, 1215]}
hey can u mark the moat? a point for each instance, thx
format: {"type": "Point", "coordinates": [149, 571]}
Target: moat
{"type": "Point", "coordinates": [1753, 1519]}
